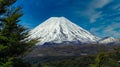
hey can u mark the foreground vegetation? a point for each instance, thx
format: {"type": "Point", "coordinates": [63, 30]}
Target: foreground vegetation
{"type": "Point", "coordinates": [102, 59]}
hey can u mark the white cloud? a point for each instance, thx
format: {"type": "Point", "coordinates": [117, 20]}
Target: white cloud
{"type": "Point", "coordinates": [110, 30]}
{"type": "Point", "coordinates": [100, 3]}
{"type": "Point", "coordinates": [95, 16]}
{"type": "Point", "coordinates": [91, 11]}
{"type": "Point", "coordinates": [96, 31]}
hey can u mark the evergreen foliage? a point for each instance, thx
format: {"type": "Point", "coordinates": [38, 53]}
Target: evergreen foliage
{"type": "Point", "coordinates": [12, 45]}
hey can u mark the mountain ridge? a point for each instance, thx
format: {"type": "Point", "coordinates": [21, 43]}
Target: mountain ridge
{"type": "Point", "coordinates": [60, 29]}
{"type": "Point", "coordinates": [109, 40]}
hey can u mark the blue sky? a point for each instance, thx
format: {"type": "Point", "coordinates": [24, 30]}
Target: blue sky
{"type": "Point", "coordinates": [100, 17]}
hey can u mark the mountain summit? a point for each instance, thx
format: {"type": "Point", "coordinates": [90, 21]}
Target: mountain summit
{"type": "Point", "coordinates": [60, 30]}
{"type": "Point", "coordinates": [109, 40]}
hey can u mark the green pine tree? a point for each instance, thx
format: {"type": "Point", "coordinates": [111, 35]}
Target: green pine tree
{"type": "Point", "coordinates": [12, 45]}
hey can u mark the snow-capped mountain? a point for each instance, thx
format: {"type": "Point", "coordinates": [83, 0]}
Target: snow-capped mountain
{"type": "Point", "coordinates": [109, 40]}
{"type": "Point", "coordinates": [59, 30]}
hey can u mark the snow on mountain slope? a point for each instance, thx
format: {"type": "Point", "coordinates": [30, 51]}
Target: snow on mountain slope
{"type": "Point", "coordinates": [108, 40]}
{"type": "Point", "coordinates": [60, 29]}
